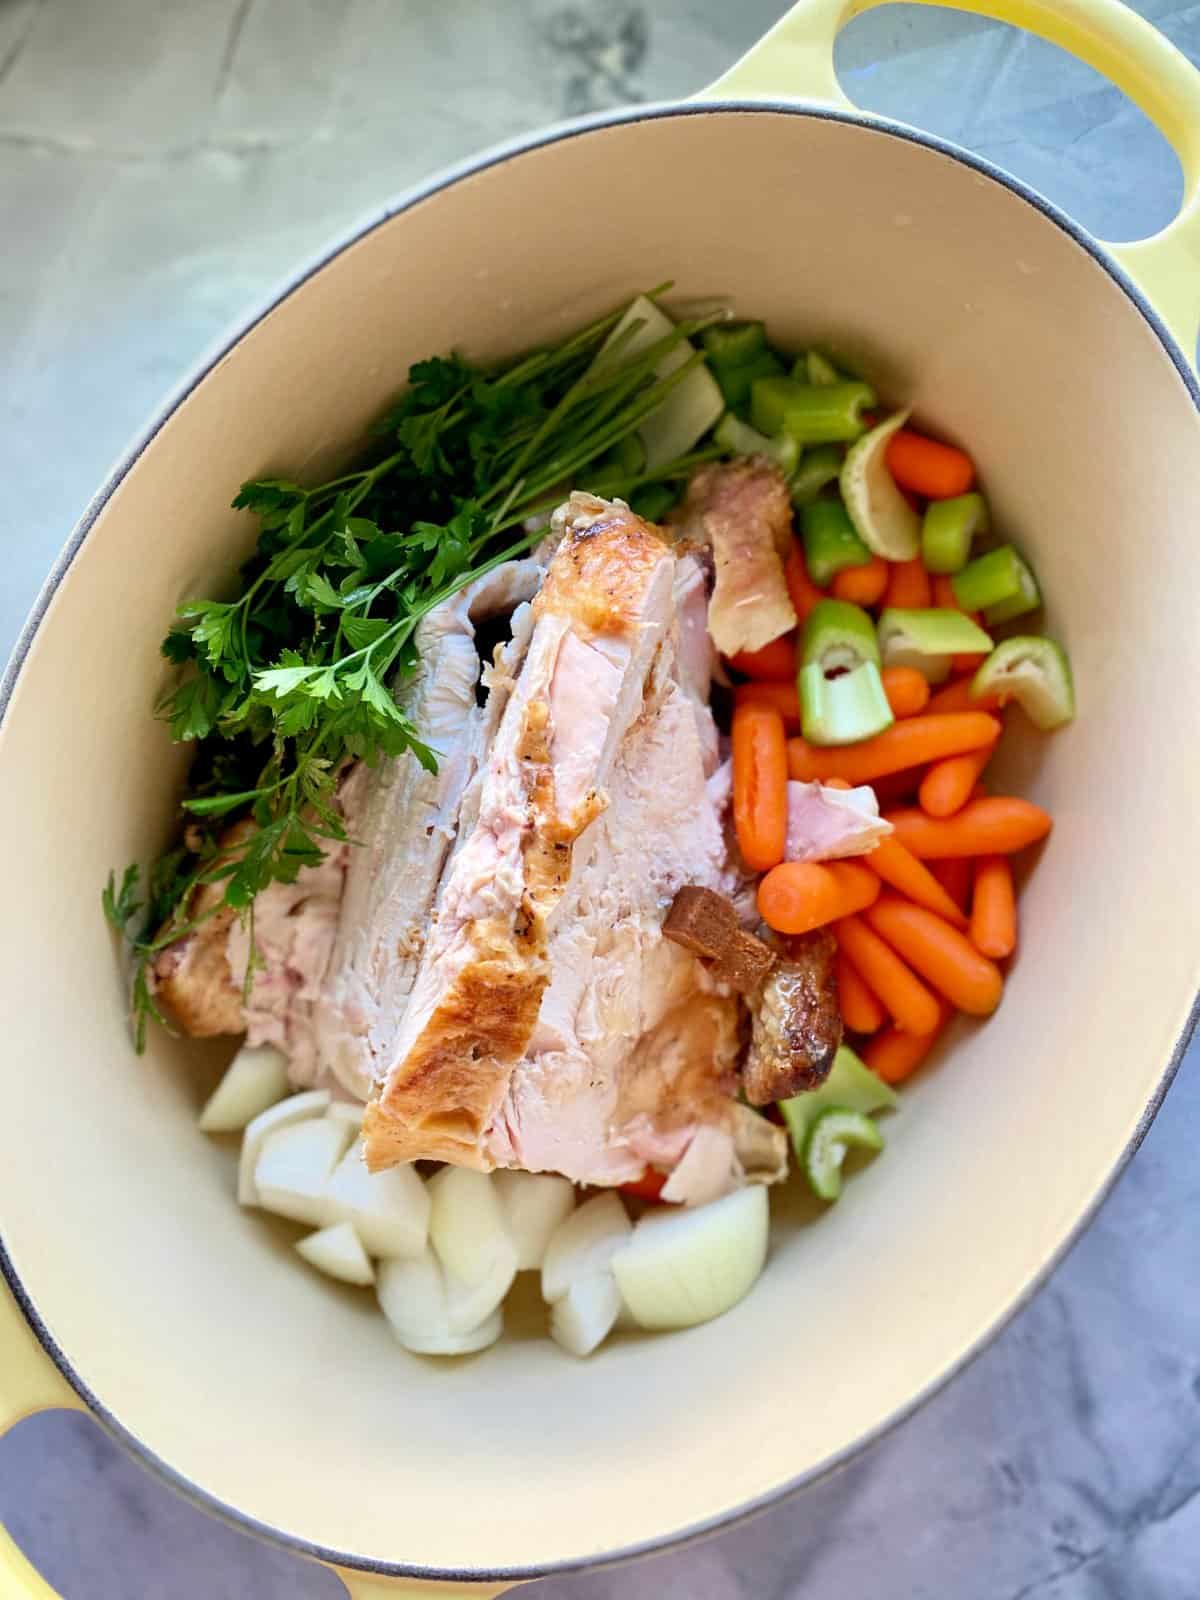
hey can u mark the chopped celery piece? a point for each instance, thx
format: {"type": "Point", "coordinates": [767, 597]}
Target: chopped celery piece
{"type": "Point", "coordinates": [830, 414]}
{"type": "Point", "coordinates": [838, 635]}
{"type": "Point", "coordinates": [1027, 598]}
{"type": "Point", "coordinates": [818, 467]}
{"type": "Point", "coordinates": [733, 344]}
{"type": "Point", "coordinates": [999, 584]}
{"type": "Point", "coordinates": [691, 407]}
{"type": "Point", "coordinates": [740, 439]}
{"type": "Point", "coordinates": [850, 1083]}
{"type": "Point", "coordinates": [948, 529]}
{"type": "Point", "coordinates": [885, 521]}
{"type": "Point", "coordinates": [830, 542]}
{"type": "Point", "coordinates": [833, 1133]}
{"type": "Point", "coordinates": [819, 371]}
{"type": "Point", "coordinates": [735, 382]}
{"type": "Point", "coordinates": [654, 500]}
{"type": "Point", "coordinates": [1036, 673]}
{"type": "Point", "coordinates": [769, 401]}
{"type": "Point", "coordinates": [927, 639]}
{"type": "Point", "coordinates": [628, 455]}
{"type": "Point", "coordinates": [845, 709]}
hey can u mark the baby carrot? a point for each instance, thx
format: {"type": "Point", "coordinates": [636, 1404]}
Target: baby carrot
{"type": "Point", "coordinates": [897, 789]}
{"type": "Point", "coordinates": [949, 784]}
{"type": "Point", "coordinates": [900, 869]}
{"type": "Point", "coordinates": [774, 663]}
{"type": "Point", "coordinates": [759, 785]}
{"type": "Point", "coordinates": [781, 697]}
{"type": "Point", "coordinates": [994, 908]}
{"type": "Point", "coordinates": [942, 955]}
{"type": "Point", "coordinates": [968, 661]}
{"type": "Point", "coordinates": [908, 586]}
{"type": "Point", "coordinates": [862, 586]}
{"type": "Point", "coordinates": [895, 1056]}
{"type": "Point", "coordinates": [861, 1009]}
{"type": "Point", "coordinates": [944, 596]}
{"type": "Point", "coordinates": [912, 1007]}
{"type": "Point", "coordinates": [956, 696]}
{"type": "Point", "coordinates": [803, 591]}
{"type": "Point", "coordinates": [995, 825]}
{"type": "Point", "coordinates": [906, 689]}
{"type": "Point", "coordinates": [798, 896]}
{"type": "Point", "coordinates": [954, 874]}
{"type": "Point", "coordinates": [938, 471]}
{"type": "Point", "coordinates": [911, 742]}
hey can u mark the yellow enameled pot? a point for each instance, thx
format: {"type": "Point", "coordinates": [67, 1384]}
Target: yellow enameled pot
{"type": "Point", "coordinates": [140, 1291]}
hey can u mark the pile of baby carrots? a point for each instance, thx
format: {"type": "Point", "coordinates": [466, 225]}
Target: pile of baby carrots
{"type": "Point", "coordinates": [924, 921]}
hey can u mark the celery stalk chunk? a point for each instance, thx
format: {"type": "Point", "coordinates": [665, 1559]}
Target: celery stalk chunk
{"type": "Point", "coordinates": [823, 414]}
{"type": "Point", "coordinates": [838, 635]}
{"type": "Point", "coordinates": [836, 1131]}
{"type": "Point", "coordinates": [844, 709]}
{"type": "Point", "coordinates": [928, 639]}
{"type": "Point", "coordinates": [1000, 584]}
{"type": "Point", "coordinates": [948, 530]}
{"type": "Point", "coordinates": [740, 439]}
{"type": "Point", "coordinates": [1036, 673]}
{"type": "Point", "coordinates": [850, 1083]}
{"type": "Point", "coordinates": [830, 542]}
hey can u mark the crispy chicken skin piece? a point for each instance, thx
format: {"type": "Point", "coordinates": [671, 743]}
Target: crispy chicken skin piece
{"type": "Point", "coordinates": [742, 511]}
{"type": "Point", "coordinates": [192, 978]}
{"type": "Point", "coordinates": [796, 1023]}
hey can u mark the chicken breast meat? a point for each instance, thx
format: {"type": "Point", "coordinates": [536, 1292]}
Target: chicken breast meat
{"type": "Point", "coordinates": [486, 964]}
{"type": "Point", "coordinates": [337, 950]}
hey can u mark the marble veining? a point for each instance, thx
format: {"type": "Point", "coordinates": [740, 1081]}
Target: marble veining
{"type": "Point", "coordinates": [162, 164]}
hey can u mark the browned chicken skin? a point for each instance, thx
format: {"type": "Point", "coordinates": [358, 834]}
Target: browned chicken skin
{"type": "Point", "coordinates": [742, 511]}
{"type": "Point", "coordinates": [797, 1026]}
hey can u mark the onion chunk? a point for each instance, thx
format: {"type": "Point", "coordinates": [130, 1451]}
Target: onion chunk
{"type": "Point", "coordinates": [683, 1267]}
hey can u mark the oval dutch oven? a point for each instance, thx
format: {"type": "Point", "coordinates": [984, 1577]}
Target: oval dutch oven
{"type": "Point", "coordinates": [137, 1290]}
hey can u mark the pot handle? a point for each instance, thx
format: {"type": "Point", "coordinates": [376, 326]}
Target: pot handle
{"type": "Point", "coordinates": [796, 59]}
{"type": "Point", "coordinates": [30, 1382]}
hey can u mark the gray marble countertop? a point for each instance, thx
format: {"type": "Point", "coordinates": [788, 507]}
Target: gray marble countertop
{"type": "Point", "coordinates": [162, 164]}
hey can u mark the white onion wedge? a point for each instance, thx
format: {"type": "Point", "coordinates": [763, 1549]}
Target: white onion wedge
{"type": "Point", "coordinates": [297, 1108]}
{"type": "Point", "coordinates": [533, 1203]}
{"type": "Point", "coordinates": [415, 1300]}
{"type": "Point", "coordinates": [389, 1209]}
{"type": "Point", "coordinates": [470, 1303]}
{"type": "Point", "coordinates": [294, 1167]}
{"type": "Point", "coordinates": [586, 1314]}
{"type": "Point", "coordinates": [254, 1080]}
{"type": "Point", "coordinates": [584, 1244]}
{"type": "Point", "coordinates": [460, 1344]}
{"type": "Point", "coordinates": [467, 1229]}
{"type": "Point", "coordinates": [337, 1251]}
{"type": "Point", "coordinates": [683, 1267]}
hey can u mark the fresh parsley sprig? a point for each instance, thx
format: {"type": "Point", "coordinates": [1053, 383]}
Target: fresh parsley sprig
{"type": "Point", "coordinates": [298, 670]}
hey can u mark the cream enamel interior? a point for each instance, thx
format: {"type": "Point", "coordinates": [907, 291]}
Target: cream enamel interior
{"type": "Point", "coordinates": [190, 1321]}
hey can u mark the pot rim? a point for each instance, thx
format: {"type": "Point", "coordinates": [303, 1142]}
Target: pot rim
{"type": "Point", "coordinates": [494, 156]}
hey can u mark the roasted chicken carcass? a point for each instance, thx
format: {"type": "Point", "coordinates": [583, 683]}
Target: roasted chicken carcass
{"type": "Point", "coordinates": [486, 965]}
